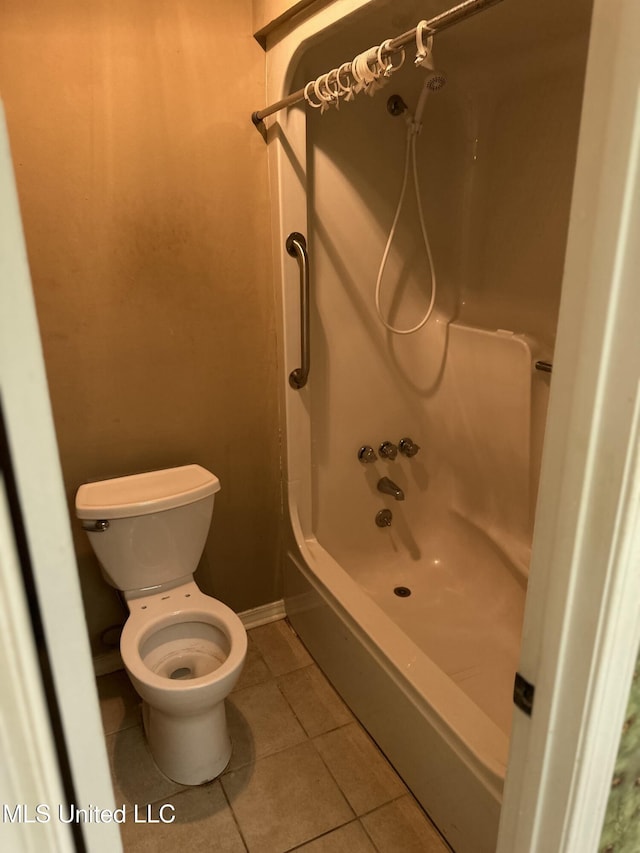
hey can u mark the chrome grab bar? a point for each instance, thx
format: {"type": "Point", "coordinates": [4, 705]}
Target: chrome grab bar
{"type": "Point", "coordinates": [296, 246]}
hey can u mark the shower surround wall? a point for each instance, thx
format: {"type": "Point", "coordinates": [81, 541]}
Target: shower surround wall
{"type": "Point", "coordinates": [431, 675]}
{"type": "Point", "coordinates": [143, 189]}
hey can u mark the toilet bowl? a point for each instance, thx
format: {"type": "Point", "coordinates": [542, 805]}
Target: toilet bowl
{"type": "Point", "coordinates": [182, 649]}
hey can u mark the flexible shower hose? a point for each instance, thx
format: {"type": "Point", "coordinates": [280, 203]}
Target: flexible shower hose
{"type": "Point", "coordinates": [413, 128]}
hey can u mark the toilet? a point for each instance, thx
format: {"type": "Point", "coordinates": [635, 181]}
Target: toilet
{"type": "Point", "coordinates": [182, 649]}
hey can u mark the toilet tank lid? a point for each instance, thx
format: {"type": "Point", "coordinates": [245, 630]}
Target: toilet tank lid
{"type": "Point", "coordinates": [142, 494]}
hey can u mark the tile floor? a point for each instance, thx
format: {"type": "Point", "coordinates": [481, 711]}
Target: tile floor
{"type": "Point", "coordinates": [304, 775]}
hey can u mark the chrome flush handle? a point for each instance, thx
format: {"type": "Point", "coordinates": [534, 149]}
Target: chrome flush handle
{"type": "Point", "coordinates": [98, 526]}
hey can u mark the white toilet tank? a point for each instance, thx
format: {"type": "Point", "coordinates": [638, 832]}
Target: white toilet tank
{"type": "Point", "coordinates": [148, 529]}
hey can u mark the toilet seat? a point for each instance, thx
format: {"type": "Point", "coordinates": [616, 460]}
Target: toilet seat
{"type": "Point", "coordinates": [151, 621]}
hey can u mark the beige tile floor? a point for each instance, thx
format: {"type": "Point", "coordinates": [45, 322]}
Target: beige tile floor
{"type": "Point", "coordinates": [304, 775]}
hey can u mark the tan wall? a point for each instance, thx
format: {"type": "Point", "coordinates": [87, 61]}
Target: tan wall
{"type": "Point", "coordinates": [266, 12]}
{"type": "Point", "coordinates": [143, 187]}
{"type": "Point", "coordinates": [268, 15]}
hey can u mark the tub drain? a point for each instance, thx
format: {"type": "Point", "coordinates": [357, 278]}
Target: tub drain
{"type": "Point", "coordinates": [181, 672]}
{"type": "Point", "coordinates": [402, 591]}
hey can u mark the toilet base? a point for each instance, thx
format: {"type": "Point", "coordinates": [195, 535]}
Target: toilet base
{"type": "Point", "coordinates": [190, 750]}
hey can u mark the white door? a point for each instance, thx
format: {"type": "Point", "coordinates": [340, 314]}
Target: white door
{"type": "Point", "coordinates": [52, 747]}
{"type": "Point", "coordinates": [582, 622]}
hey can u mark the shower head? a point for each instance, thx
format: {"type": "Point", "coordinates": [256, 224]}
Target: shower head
{"type": "Point", "coordinates": [435, 80]}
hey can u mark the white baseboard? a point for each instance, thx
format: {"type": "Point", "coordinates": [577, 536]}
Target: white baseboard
{"type": "Point", "coordinates": [263, 615]}
{"type": "Point", "coordinates": [108, 662]}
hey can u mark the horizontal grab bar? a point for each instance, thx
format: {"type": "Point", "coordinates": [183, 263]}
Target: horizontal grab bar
{"type": "Point", "coordinates": [296, 246]}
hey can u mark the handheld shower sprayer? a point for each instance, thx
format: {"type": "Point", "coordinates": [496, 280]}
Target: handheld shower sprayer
{"type": "Point", "coordinates": [434, 81]}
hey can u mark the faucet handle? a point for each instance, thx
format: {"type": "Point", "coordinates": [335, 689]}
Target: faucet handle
{"type": "Point", "coordinates": [384, 517]}
{"type": "Point", "coordinates": [408, 447]}
{"type": "Point", "coordinates": [367, 454]}
{"type": "Point", "coordinates": [388, 450]}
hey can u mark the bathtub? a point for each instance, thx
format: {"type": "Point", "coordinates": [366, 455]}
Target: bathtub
{"type": "Point", "coordinates": [430, 674]}
{"type": "Point", "coordinates": [449, 753]}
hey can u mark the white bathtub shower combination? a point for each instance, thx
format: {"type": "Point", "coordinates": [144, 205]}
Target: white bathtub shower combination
{"type": "Point", "coordinates": [430, 673]}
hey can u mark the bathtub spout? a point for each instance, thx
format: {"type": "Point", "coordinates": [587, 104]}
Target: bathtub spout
{"type": "Point", "coordinates": [388, 487]}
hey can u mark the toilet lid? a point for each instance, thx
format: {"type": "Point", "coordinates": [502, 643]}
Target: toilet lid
{"type": "Point", "coordinates": [142, 494]}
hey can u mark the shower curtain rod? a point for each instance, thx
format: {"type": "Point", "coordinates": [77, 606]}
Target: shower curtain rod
{"type": "Point", "coordinates": [446, 19]}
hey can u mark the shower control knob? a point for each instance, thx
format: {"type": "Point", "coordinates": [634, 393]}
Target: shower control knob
{"type": "Point", "coordinates": [408, 447]}
{"type": "Point", "coordinates": [384, 518]}
{"type": "Point", "coordinates": [367, 454]}
{"type": "Point", "coordinates": [388, 450]}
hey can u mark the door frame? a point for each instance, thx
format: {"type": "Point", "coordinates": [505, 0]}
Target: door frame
{"type": "Point", "coordinates": [582, 620]}
{"type": "Point", "coordinates": [42, 614]}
